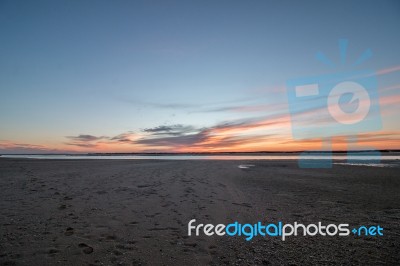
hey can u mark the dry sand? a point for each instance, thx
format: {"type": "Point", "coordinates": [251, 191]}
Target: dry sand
{"type": "Point", "coordinates": [135, 212]}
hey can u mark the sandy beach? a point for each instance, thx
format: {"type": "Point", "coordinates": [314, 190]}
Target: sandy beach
{"type": "Point", "coordinates": [136, 212]}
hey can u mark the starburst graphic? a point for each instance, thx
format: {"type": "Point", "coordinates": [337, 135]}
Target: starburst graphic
{"type": "Point", "coordinates": [343, 44]}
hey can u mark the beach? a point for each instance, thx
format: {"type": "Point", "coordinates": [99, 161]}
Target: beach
{"type": "Point", "coordinates": [136, 212]}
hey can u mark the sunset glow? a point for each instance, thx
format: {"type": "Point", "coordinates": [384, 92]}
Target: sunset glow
{"type": "Point", "coordinates": [99, 85]}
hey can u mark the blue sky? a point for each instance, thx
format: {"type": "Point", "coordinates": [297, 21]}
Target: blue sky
{"type": "Point", "coordinates": [104, 68]}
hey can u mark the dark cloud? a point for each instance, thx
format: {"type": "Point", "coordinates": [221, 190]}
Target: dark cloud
{"type": "Point", "coordinates": [174, 141]}
{"type": "Point", "coordinates": [85, 138]}
{"type": "Point", "coordinates": [124, 137]}
{"type": "Point", "coordinates": [187, 136]}
{"type": "Point", "coordinates": [183, 136]}
{"type": "Point", "coordinates": [82, 144]}
{"type": "Point", "coordinates": [202, 139]}
{"type": "Point", "coordinates": [172, 130]}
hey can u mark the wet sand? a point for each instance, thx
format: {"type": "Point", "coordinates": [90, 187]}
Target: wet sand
{"type": "Point", "coordinates": [135, 212]}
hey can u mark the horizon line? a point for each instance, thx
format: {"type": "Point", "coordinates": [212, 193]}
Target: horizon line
{"type": "Point", "coordinates": [200, 153]}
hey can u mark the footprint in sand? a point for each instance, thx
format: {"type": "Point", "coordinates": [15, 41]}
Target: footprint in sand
{"type": "Point", "coordinates": [212, 249]}
{"type": "Point", "coordinates": [85, 248]}
{"type": "Point", "coordinates": [52, 251]}
{"type": "Point", "coordinates": [111, 238]}
{"type": "Point", "coordinates": [69, 231]}
{"type": "Point", "coordinates": [125, 247]}
{"type": "Point", "coordinates": [143, 186]}
{"type": "Point", "coordinates": [244, 204]}
{"type": "Point", "coordinates": [117, 252]}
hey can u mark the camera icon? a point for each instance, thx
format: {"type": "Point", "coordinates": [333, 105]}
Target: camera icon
{"type": "Point", "coordinates": [340, 104]}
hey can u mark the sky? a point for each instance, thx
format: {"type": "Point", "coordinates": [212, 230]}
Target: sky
{"type": "Point", "coordinates": [187, 76]}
